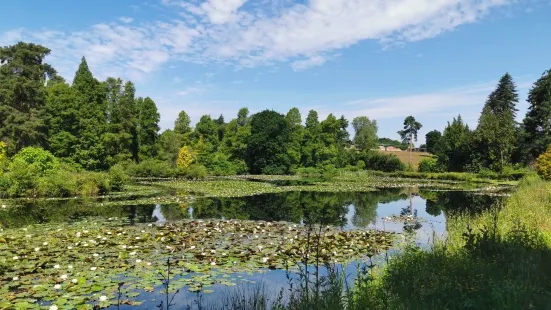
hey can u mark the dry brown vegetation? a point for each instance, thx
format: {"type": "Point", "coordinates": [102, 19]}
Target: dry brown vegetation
{"type": "Point", "coordinates": [415, 157]}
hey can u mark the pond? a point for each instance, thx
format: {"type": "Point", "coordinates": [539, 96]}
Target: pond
{"type": "Point", "coordinates": [70, 252]}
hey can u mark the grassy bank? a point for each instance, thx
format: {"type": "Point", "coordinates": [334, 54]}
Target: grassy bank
{"type": "Point", "coordinates": [496, 260]}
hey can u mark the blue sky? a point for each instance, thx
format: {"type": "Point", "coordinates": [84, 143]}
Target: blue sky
{"type": "Point", "coordinates": [385, 59]}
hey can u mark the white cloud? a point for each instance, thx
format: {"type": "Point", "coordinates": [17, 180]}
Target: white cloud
{"type": "Point", "coordinates": [126, 19]}
{"type": "Point", "coordinates": [190, 90]}
{"type": "Point", "coordinates": [253, 33]}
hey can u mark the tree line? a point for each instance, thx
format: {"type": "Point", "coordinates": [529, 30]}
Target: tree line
{"type": "Point", "coordinates": [96, 125]}
{"type": "Point", "coordinates": [498, 142]}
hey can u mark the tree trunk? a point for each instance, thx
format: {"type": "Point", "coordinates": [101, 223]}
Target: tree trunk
{"type": "Point", "coordinates": [410, 148]}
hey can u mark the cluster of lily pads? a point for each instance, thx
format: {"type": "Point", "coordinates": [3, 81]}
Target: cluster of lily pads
{"type": "Point", "coordinates": [77, 265]}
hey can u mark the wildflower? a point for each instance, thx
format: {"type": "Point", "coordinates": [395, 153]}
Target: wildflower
{"type": "Point", "coordinates": [15, 278]}
{"type": "Point", "coordinates": [132, 253]}
{"type": "Point", "coordinates": [74, 281]}
{"type": "Point", "coordinates": [70, 266]}
{"type": "Point", "coordinates": [36, 249]}
{"type": "Point", "coordinates": [57, 286]}
{"type": "Point", "coordinates": [53, 307]}
{"type": "Point", "coordinates": [15, 257]}
{"type": "Point", "coordinates": [103, 298]}
{"type": "Point", "coordinates": [63, 277]}
{"type": "Point", "coordinates": [93, 268]}
{"type": "Point", "coordinates": [56, 266]}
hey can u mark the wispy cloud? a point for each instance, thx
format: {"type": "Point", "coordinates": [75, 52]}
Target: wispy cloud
{"type": "Point", "coordinates": [251, 33]}
{"type": "Point", "coordinates": [190, 90]}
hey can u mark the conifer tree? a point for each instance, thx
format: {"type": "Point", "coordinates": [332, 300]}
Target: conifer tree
{"type": "Point", "coordinates": [537, 123]}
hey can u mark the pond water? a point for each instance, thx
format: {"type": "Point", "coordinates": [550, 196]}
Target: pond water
{"type": "Point", "coordinates": [421, 213]}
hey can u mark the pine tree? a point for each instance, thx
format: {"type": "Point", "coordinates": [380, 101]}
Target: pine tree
{"type": "Point", "coordinates": [23, 75]}
{"type": "Point", "coordinates": [409, 133]}
{"type": "Point", "coordinates": [537, 123]}
{"type": "Point", "coordinates": [495, 137]}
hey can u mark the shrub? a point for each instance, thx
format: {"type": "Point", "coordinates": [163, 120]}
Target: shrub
{"type": "Point", "coordinates": [117, 178]}
{"type": "Point", "coordinates": [196, 172]}
{"type": "Point", "coordinates": [375, 160]}
{"type": "Point", "coordinates": [328, 172]}
{"type": "Point", "coordinates": [92, 183]}
{"type": "Point", "coordinates": [543, 164]}
{"type": "Point", "coordinates": [360, 164]}
{"type": "Point", "coordinates": [57, 184]}
{"type": "Point", "coordinates": [35, 159]}
{"type": "Point", "coordinates": [430, 165]}
{"type": "Point", "coordinates": [151, 168]}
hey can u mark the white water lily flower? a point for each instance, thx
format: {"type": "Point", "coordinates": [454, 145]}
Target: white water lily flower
{"type": "Point", "coordinates": [36, 249]}
{"type": "Point", "coordinates": [137, 238]}
{"type": "Point", "coordinates": [4, 206]}
{"type": "Point", "coordinates": [28, 236]}
{"type": "Point", "coordinates": [150, 225]}
{"type": "Point", "coordinates": [148, 264]}
{"type": "Point", "coordinates": [57, 266]}
{"type": "Point", "coordinates": [132, 253]}
{"type": "Point", "coordinates": [85, 245]}
{"type": "Point", "coordinates": [143, 231]}
{"type": "Point", "coordinates": [63, 276]}
{"type": "Point", "coordinates": [93, 268]}
{"type": "Point", "coordinates": [213, 263]}
{"type": "Point", "coordinates": [103, 298]}
{"type": "Point", "coordinates": [95, 254]}
{"type": "Point", "coordinates": [70, 247]}
{"type": "Point", "coordinates": [123, 246]}
{"type": "Point", "coordinates": [45, 243]}
{"type": "Point", "coordinates": [264, 259]}
{"type": "Point", "coordinates": [74, 281]}
{"type": "Point", "coordinates": [53, 307]}
{"type": "Point", "coordinates": [57, 286]}
{"type": "Point", "coordinates": [70, 266]}
{"type": "Point", "coordinates": [138, 261]}
{"type": "Point", "coordinates": [78, 233]}
{"type": "Point", "coordinates": [15, 257]}
{"type": "Point", "coordinates": [15, 278]}
{"type": "Point", "coordinates": [85, 231]}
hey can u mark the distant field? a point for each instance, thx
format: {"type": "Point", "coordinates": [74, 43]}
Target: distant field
{"type": "Point", "coordinates": [415, 157]}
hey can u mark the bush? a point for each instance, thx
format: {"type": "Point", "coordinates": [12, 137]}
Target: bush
{"type": "Point", "coordinates": [196, 172]}
{"type": "Point", "coordinates": [117, 178]}
{"type": "Point", "coordinates": [543, 164]}
{"type": "Point", "coordinates": [360, 164]}
{"type": "Point", "coordinates": [378, 161]}
{"type": "Point", "coordinates": [57, 184]}
{"type": "Point", "coordinates": [151, 168]}
{"type": "Point", "coordinates": [36, 160]}
{"type": "Point", "coordinates": [430, 165]}
{"type": "Point", "coordinates": [93, 183]}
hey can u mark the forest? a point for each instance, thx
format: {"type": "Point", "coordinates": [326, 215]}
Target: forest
{"type": "Point", "coordinates": [97, 126]}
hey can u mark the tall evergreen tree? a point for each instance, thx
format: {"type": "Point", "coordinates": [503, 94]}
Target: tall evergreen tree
{"type": "Point", "coordinates": [296, 135]}
{"type": "Point", "coordinates": [455, 145]}
{"type": "Point", "coordinates": [62, 118]}
{"type": "Point", "coordinates": [182, 123]}
{"type": "Point", "coordinates": [495, 137]}
{"type": "Point", "coordinates": [311, 142]}
{"type": "Point", "coordinates": [537, 123]}
{"type": "Point", "coordinates": [90, 152]}
{"type": "Point", "coordinates": [23, 75]}
{"type": "Point", "coordinates": [148, 127]}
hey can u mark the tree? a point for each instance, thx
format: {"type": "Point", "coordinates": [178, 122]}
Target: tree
{"type": "Point", "coordinates": [311, 142]}
{"type": "Point", "coordinates": [181, 125]}
{"type": "Point", "coordinates": [90, 153]}
{"type": "Point", "coordinates": [3, 152]}
{"type": "Point", "coordinates": [267, 145]}
{"type": "Point", "coordinates": [242, 116]}
{"type": "Point", "coordinates": [365, 136]}
{"type": "Point", "coordinates": [495, 137]}
{"type": "Point", "coordinates": [62, 118]}
{"type": "Point", "coordinates": [185, 157]}
{"type": "Point", "coordinates": [148, 127]}
{"type": "Point", "coordinates": [409, 133]}
{"type": "Point", "coordinates": [208, 129]}
{"type": "Point", "coordinates": [296, 134]}
{"type": "Point", "coordinates": [537, 123]}
{"type": "Point", "coordinates": [23, 76]}
{"type": "Point", "coordinates": [455, 145]}
{"type": "Point", "coordinates": [433, 140]}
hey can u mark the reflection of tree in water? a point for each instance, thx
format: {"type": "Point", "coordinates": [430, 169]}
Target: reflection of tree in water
{"type": "Point", "coordinates": [310, 207]}
{"type": "Point", "coordinates": [411, 222]}
{"type": "Point", "coordinates": [456, 202]}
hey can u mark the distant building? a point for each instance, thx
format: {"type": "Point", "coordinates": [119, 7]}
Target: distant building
{"type": "Point", "coordinates": [389, 148]}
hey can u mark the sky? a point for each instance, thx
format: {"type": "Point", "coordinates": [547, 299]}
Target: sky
{"type": "Point", "coordinates": [384, 59]}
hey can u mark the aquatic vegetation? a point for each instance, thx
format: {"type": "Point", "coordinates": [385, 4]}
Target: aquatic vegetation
{"type": "Point", "coordinates": [66, 265]}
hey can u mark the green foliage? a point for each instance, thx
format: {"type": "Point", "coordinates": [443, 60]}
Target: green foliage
{"type": "Point", "coordinates": [395, 143]}
{"type": "Point", "coordinates": [378, 161]}
{"type": "Point", "coordinates": [117, 178]}
{"type": "Point", "coordinates": [543, 164]}
{"type": "Point", "coordinates": [185, 157]}
{"type": "Point", "coordinates": [182, 123]}
{"type": "Point", "coordinates": [430, 165]}
{"type": "Point", "coordinates": [147, 127]}
{"type": "Point", "coordinates": [494, 138]}
{"type": "Point", "coordinates": [434, 142]}
{"type": "Point", "coordinates": [151, 168]}
{"type": "Point", "coordinates": [537, 123]}
{"type": "Point", "coordinates": [455, 145]}
{"type": "Point", "coordinates": [196, 172]}
{"type": "Point", "coordinates": [365, 137]}
{"type": "Point", "coordinates": [36, 160]}
{"type": "Point", "coordinates": [267, 145]}
{"type": "Point", "coordinates": [409, 133]}
{"type": "Point", "coordinates": [361, 164]}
